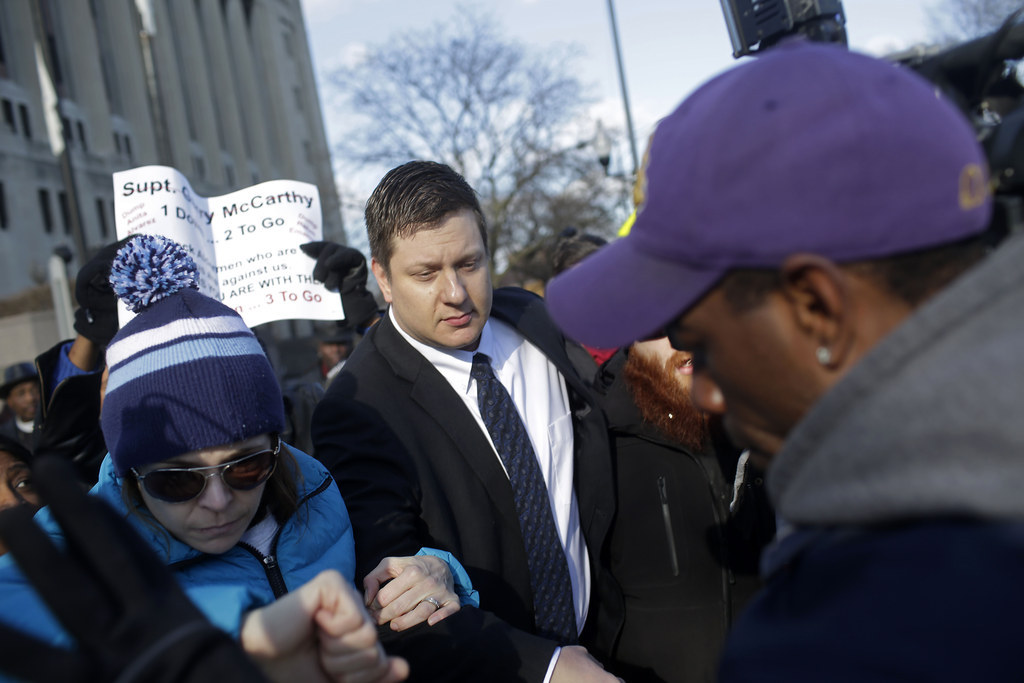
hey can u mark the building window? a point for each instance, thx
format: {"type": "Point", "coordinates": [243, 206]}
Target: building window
{"type": "Point", "coordinates": [288, 39]}
{"type": "Point", "coordinates": [128, 148]}
{"type": "Point", "coordinates": [3, 208]}
{"type": "Point", "coordinates": [65, 216]}
{"type": "Point", "coordinates": [229, 173]}
{"type": "Point", "coordinates": [81, 136]}
{"type": "Point", "coordinates": [26, 124]}
{"type": "Point", "coordinates": [200, 167]}
{"type": "Point", "coordinates": [117, 143]}
{"type": "Point", "coordinates": [65, 127]}
{"type": "Point", "coordinates": [44, 210]}
{"type": "Point", "coordinates": [101, 214]}
{"type": "Point", "coordinates": [3, 58]}
{"type": "Point", "coordinates": [8, 108]}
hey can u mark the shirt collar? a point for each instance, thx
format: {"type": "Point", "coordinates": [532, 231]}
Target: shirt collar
{"type": "Point", "coordinates": [456, 363]}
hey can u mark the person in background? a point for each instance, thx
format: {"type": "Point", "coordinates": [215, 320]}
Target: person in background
{"type": "Point", "coordinates": [16, 487]}
{"type": "Point", "coordinates": [192, 415]}
{"type": "Point", "coordinates": [71, 372]}
{"type": "Point", "coordinates": [815, 234]}
{"type": "Point", "coordinates": [692, 515]}
{"type": "Point", "coordinates": [20, 392]}
{"type": "Point", "coordinates": [692, 518]}
{"type": "Point", "coordinates": [332, 350]}
{"type": "Point", "coordinates": [421, 462]}
{"type": "Point", "coordinates": [571, 247]}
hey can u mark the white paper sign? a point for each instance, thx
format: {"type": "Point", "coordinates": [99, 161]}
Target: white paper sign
{"type": "Point", "coordinates": [245, 244]}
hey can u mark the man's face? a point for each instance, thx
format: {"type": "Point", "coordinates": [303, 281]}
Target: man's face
{"type": "Point", "coordinates": [678, 364]}
{"type": "Point", "coordinates": [15, 486]}
{"type": "Point", "coordinates": [659, 379]}
{"type": "Point", "coordinates": [751, 367]}
{"type": "Point", "coordinates": [439, 285]}
{"type": "Point", "coordinates": [332, 353]}
{"type": "Point", "coordinates": [24, 400]}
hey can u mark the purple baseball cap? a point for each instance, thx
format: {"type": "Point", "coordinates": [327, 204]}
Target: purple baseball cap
{"type": "Point", "coordinates": [808, 148]}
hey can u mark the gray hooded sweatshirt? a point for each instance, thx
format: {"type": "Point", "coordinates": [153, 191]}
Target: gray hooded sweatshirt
{"type": "Point", "coordinates": [929, 423]}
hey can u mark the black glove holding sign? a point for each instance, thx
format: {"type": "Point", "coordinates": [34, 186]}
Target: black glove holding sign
{"type": "Point", "coordinates": [343, 269]}
{"type": "Point", "coordinates": [129, 618]}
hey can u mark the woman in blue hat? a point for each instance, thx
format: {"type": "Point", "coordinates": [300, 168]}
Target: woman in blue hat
{"type": "Point", "coordinates": [191, 417]}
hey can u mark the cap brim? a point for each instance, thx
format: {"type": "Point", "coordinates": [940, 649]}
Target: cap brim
{"type": "Point", "coordinates": [620, 294]}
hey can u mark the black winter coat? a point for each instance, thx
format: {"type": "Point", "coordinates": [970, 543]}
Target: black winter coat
{"type": "Point", "coordinates": [69, 422]}
{"type": "Point", "coordinates": [685, 564]}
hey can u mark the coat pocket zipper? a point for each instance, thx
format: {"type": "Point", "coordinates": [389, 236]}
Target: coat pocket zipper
{"type": "Point", "coordinates": [667, 516]}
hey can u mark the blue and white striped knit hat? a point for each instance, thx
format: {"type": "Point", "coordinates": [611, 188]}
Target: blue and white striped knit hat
{"type": "Point", "coordinates": [186, 373]}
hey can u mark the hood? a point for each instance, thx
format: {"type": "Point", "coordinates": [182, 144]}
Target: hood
{"type": "Point", "coordinates": [930, 422]}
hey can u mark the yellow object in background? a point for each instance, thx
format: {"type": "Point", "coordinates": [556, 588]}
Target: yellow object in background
{"type": "Point", "coordinates": [627, 225]}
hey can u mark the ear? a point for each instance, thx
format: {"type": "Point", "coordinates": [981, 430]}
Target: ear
{"type": "Point", "coordinates": [382, 279]}
{"type": "Point", "coordinates": [821, 299]}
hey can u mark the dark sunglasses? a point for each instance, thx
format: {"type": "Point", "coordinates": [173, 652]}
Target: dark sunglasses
{"type": "Point", "coordinates": [180, 484]}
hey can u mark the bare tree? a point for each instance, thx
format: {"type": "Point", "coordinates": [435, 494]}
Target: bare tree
{"type": "Point", "coordinates": [956, 20]}
{"type": "Point", "coordinates": [511, 120]}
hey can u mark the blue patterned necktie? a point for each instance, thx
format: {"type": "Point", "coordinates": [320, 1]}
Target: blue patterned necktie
{"type": "Point", "coordinates": [549, 572]}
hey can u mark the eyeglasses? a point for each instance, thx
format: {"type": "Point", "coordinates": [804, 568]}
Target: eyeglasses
{"type": "Point", "coordinates": [181, 484]}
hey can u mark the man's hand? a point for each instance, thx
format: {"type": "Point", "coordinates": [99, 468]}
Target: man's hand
{"type": "Point", "coordinates": [397, 591]}
{"type": "Point", "coordinates": [575, 665]}
{"type": "Point", "coordinates": [321, 633]}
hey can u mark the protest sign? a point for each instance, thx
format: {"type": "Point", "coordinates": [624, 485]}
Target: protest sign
{"type": "Point", "coordinates": [245, 244]}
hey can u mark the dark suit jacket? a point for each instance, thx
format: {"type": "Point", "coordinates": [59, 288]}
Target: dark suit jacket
{"type": "Point", "coordinates": [416, 470]}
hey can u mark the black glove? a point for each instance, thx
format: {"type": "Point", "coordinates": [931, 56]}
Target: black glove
{"type": "Point", "coordinates": [128, 616]}
{"type": "Point", "coordinates": [96, 315]}
{"type": "Point", "coordinates": [343, 269]}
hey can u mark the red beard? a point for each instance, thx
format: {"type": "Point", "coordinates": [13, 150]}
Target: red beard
{"type": "Point", "coordinates": [664, 402]}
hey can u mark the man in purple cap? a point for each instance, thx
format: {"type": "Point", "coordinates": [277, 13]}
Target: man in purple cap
{"type": "Point", "coordinates": [814, 232]}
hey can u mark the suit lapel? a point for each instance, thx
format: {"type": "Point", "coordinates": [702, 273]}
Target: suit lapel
{"type": "Point", "coordinates": [436, 397]}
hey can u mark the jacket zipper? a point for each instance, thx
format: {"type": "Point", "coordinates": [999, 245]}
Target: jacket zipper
{"type": "Point", "coordinates": [274, 575]}
{"type": "Point", "coordinates": [667, 516]}
{"type": "Point", "coordinates": [269, 562]}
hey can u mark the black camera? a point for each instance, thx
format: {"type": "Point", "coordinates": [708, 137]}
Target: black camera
{"type": "Point", "coordinates": [756, 25]}
{"type": "Point", "coordinates": [982, 76]}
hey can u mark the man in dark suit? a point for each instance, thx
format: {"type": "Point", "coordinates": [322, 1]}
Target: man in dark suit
{"type": "Point", "coordinates": [420, 465]}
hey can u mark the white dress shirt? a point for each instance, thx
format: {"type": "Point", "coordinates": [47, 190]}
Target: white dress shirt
{"type": "Point", "coordinates": [538, 391]}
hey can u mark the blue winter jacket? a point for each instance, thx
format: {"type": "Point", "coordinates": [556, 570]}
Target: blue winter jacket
{"type": "Point", "coordinates": [317, 537]}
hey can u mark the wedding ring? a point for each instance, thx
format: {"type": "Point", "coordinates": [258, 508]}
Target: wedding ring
{"type": "Point", "coordinates": [432, 601]}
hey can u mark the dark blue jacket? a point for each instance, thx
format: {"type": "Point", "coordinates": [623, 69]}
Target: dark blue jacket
{"type": "Point", "coordinates": [936, 600]}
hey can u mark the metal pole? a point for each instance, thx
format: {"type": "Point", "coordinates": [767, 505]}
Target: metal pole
{"type": "Point", "coordinates": [61, 293]}
{"type": "Point", "coordinates": [622, 84]}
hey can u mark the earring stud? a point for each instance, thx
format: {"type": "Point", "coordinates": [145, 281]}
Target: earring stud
{"type": "Point", "coordinates": [824, 355]}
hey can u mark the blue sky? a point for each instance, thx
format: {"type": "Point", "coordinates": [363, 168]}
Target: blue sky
{"type": "Point", "coordinates": [668, 46]}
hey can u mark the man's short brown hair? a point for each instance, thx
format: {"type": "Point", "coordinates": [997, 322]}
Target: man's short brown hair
{"type": "Point", "coordinates": [415, 196]}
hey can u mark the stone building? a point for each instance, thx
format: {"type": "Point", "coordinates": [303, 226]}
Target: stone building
{"type": "Point", "coordinates": [222, 90]}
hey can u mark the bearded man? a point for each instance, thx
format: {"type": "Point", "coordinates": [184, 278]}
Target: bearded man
{"type": "Point", "coordinates": [691, 521]}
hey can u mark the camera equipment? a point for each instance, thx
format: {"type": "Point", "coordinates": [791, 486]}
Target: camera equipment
{"type": "Point", "coordinates": [982, 76]}
{"type": "Point", "coordinates": [758, 24]}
